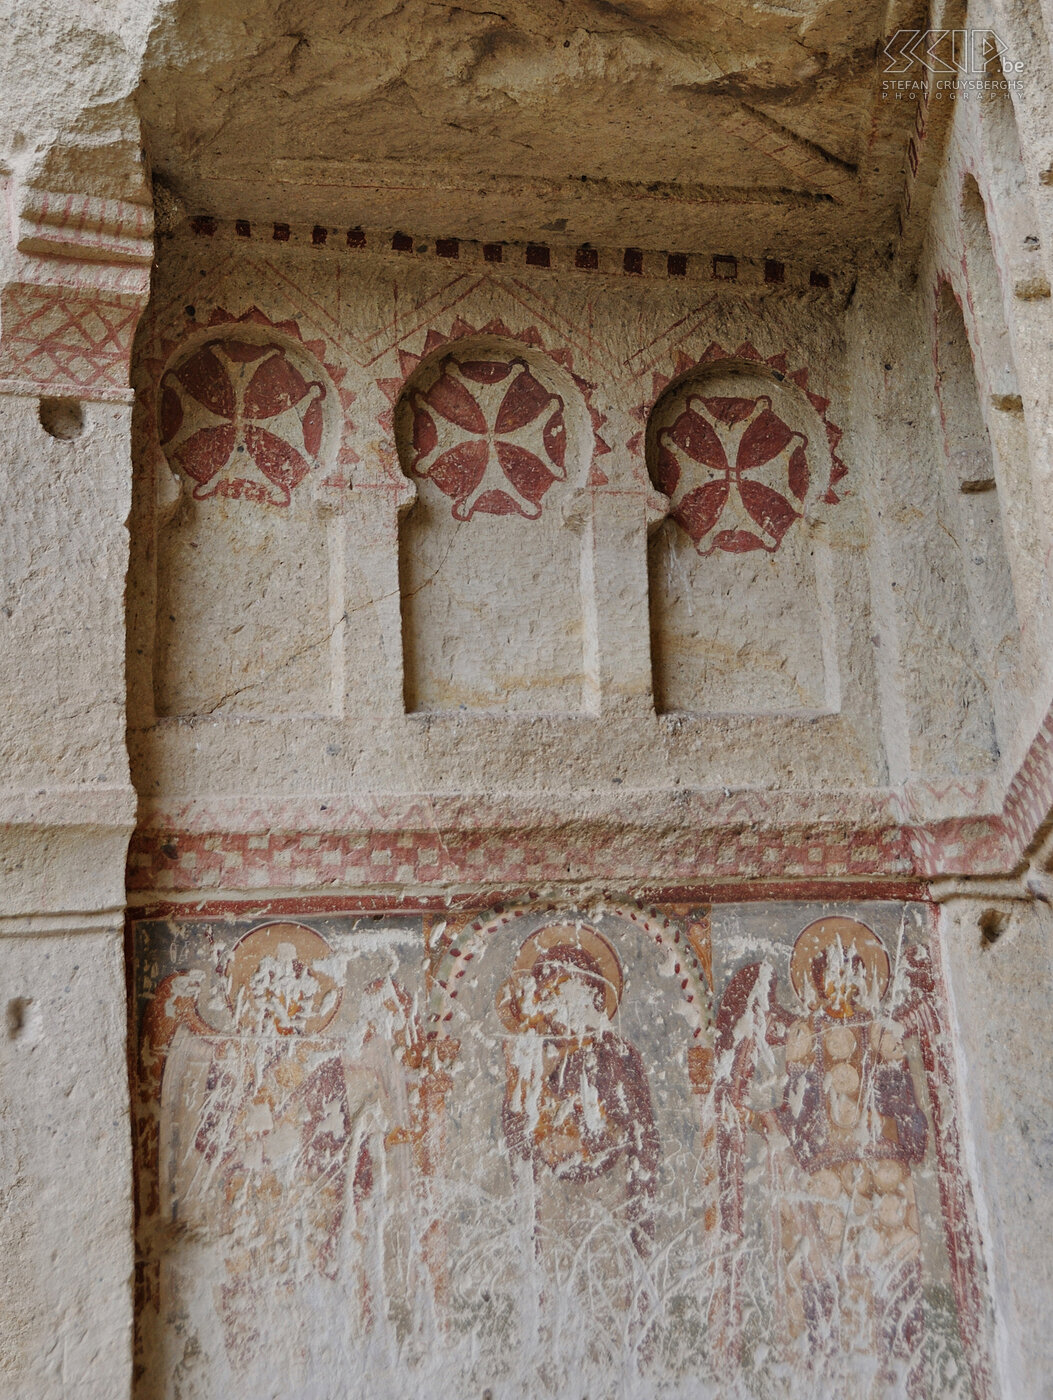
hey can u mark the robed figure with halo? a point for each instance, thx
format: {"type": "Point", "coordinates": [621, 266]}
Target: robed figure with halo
{"type": "Point", "coordinates": [581, 1136]}
{"type": "Point", "coordinates": [825, 1098]}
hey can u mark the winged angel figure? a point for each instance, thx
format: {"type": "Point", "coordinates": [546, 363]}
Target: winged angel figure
{"type": "Point", "coordinates": [818, 1111]}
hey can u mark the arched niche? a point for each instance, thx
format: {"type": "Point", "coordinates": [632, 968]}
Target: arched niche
{"type": "Point", "coordinates": [975, 487]}
{"type": "Point", "coordinates": [993, 369]}
{"type": "Point", "coordinates": [1002, 137]}
{"type": "Point", "coordinates": [741, 603]}
{"type": "Point", "coordinates": [985, 290]}
{"type": "Point", "coordinates": [246, 417]}
{"type": "Point", "coordinates": [497, 438]}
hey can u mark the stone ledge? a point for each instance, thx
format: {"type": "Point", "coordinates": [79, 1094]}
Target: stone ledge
{"type": "Point", "coordinates": [105, 921]}
{"type": "Point", "coordinates": [84, 227]}
{"type": "Point", "coordinates": [31, 389]}
{"type": "Point", "coordinates": [62, 866]}
{"type": "Point", "coordinates": [665, 836]}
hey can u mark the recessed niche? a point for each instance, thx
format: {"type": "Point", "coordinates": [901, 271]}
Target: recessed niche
{"type": "Point", "coordinates": [246, 415]}
{"type": "Point", "coordinates": [497, 438]}
{"type": "Point", "coordinates": [64, 419]}
{"type": "Point", "coordinates": [740, 604]}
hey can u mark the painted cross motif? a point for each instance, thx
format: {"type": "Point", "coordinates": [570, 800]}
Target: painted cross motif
{"type": "Point", "coordinates": [735, 473]}
{"type": "Point", "coordinates": [241, 420]}
{"type": "Point", "coordinates": [490, 436]}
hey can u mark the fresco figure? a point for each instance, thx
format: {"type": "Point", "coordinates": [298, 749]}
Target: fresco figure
{"type": "Point", "coordinates": [521, 1151]}
{"type": "Point", "coordinates": [584, 1147]}
{"type": "Point", "coordinates": [841, 1141]}
{"type": "Point", "coordinates": [576, 1101]}
{"type": "Point", "coordinates": [272, 1138]}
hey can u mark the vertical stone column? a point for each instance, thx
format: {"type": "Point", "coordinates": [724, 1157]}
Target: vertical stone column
{"type": "Point", "coordinates": [996, 949]}
{"type": "Point", "coordinates": [937, 711]}
{"type": "Point", "coordinates": [74, 275]}
{"type": "Point", "coordinates": [618, 650]}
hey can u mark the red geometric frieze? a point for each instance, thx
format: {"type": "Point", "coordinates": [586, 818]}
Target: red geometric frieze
{"type": "Point", "coordinates": [165, 862]}
{"type": "Point", "coordinates": [1030, 794]}
{"type": "Point", "coordinates": [104, 233]}
{"type": "Point", "coordinates": [734, 845]}
{"type": "Point", "coordinates": [57, 336]}
{"type": "Point", "coordinates": [1000, 842]}
{"type": "Point", "coordinates": [243, 414]}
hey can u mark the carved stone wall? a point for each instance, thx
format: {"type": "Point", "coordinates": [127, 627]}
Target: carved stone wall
{"type": "Point", "coordinates": [502, 536]}
{"type": "Point", "coordinates": [527, 694]}
{"type": "Point", "coordinates": [498, 437]}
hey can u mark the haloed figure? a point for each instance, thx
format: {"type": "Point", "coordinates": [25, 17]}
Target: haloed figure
{"type": "Point", "coordinates": [577, 1108]}
{"type": "Point", "coordinates": [842, 1142]}
{"type": "Point", "coordinates": [262, 1162]}
{"type": "Point", "coordinates": [271, 1138]}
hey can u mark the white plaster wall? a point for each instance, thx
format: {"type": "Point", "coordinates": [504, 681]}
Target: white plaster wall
{"type": "Point", "coordinates": [69, 138]}
{"type": "Point", "coordinates": [63, 504]}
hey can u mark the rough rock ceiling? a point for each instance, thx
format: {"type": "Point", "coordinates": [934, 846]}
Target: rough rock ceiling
{"type": "Point", "coordinates": [668, 124]}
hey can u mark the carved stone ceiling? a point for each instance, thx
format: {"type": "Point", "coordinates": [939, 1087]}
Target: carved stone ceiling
{"type": "Point", "coordinates": [667, 124]}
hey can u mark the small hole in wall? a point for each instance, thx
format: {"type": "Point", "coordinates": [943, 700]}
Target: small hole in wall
{"type": "Point", "coordinates": [21, 1022]}
{"type": "Point", "coordinates": [62, 418]}
{"type": "Point", "coordinates": [993, 923]}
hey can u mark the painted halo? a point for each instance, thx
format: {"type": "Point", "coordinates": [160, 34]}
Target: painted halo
{"type": "Point", "coordinates": [309, 947]}
{"type": "Point", "coordinates": [823, 934]}
{"type": "Point", "coordinates": [589, 941]}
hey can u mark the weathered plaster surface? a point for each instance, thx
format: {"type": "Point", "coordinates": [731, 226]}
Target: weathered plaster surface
{"type": "Point", "coordinates": [75, 249]}
{"type": "Point", "coordinates": [995, 951]}
{"type": "Point", "coordinates": [65, 1188]}
{"type": "Point", "coordinates": [540, 1149]}
{"type": "Point", "coordinates": [582, 454]}
{"type": "Point", "coordinates": [507, 113]}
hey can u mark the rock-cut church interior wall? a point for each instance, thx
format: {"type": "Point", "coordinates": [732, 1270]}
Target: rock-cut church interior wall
{"type": "Point", "coordinates": [983, 287]}
{"type": "Point", "coordinates": [485, 601]}
{"type": "Point", "coordinates": [409, 521]}
{"type": "Point", "coordinates": [695, 573]}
